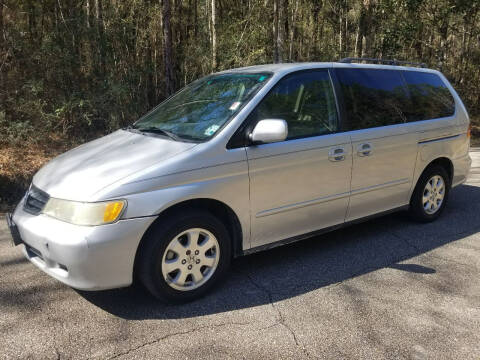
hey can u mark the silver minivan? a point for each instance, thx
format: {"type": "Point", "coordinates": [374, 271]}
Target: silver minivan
{"type": "Point", "coordinates": [241, 161]}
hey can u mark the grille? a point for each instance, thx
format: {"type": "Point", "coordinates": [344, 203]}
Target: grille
{"type": "Point", "coordinates": [35, 201]}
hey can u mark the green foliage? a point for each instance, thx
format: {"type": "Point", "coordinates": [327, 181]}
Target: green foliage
{"type": "Point", "coordinates": [83, 68]}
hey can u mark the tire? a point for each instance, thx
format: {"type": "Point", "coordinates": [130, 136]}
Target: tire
{"type": "Point", "coordinates": [424, 210]}
{"type": "Point", "coordinates": [170, 243]}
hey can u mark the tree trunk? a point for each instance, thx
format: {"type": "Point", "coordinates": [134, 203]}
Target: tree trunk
{"type": "Point", "coordinates": [369, 31]}
{"type": "Point", "coordinates": [278, 30]}
{"type": "Point", "coordinates": [99, 28]}
{"type": "Point", "coordinates": [87, 13]}
{"type": "Point", "coordinates": [97, 12]}
{"type": "Point", "coordinates": [293, 30]}
{"type": "Point", "coordinates": [342, 18]}
{"type": "Point", "coordinates": [345, 30]}
{"type": "Point", "coordinates": [32, 20]}
{"type": "Point", "coordinates": [282, 12]}
{"type": "Point", "coordinates": [419, 43]}
{"type": "Point", "coordinates": [275, 31]}
{"type": "Point", "coordinates": [195, 18]}
{"type": "Point", "coordinates": [442, 56]}
{"type": "Point", "coordinates": [360, 32]}
{"type": "Point", "coordinates": [167, 48]}
{"type": "Point", "coordinates": [341, 34]}
{"type": "Point", "coordinates": [2, 35]}
{"type": "Point", "coordinates": [208, 22]}
{"type": "Point", "coordinates": [3, 65]}
{"type": "Point", "coordinates": [214, 37]}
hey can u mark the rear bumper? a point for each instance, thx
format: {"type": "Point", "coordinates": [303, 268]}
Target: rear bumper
{"type": "Point", "coordinates": [461, 169]}
{"type": "Point", "coordinates": [83, 257]}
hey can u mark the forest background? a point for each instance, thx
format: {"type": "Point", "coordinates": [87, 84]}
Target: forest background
{"type": "Point", "coordinates": [73, 70]}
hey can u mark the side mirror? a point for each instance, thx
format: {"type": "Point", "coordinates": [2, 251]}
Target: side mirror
{"type": "Point", "coordinates": [269, 131]}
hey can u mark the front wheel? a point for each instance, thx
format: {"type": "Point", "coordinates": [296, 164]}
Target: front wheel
{"type": "Point", "coordinates": [183, 256]}
{"type": "Point", "coordinates": [430, 195]}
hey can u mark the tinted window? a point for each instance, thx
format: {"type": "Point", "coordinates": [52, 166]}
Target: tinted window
{"type": "Point", "coordinates": [431, 99]}
{"type": "Point", "coordinates": [305, 100]}
{"type": "Point", "coordinates": [373, 97]}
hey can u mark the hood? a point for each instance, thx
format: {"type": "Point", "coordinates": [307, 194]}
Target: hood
{"type": "Point", "coordinates": [79, 173]}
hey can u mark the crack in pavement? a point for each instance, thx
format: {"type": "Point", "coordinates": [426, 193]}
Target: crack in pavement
{"type": "Point", "coordinates": [281, 320]}
{"type": "Point", "coordinates": [276, 323]}
{"type": "Point", "coordinates": [57, 353]}
{"type": "Point", "coordinates": [152, 342]}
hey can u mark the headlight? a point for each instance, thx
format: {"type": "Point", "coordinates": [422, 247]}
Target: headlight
{"type": "Point", "coordinates": [81, 213]}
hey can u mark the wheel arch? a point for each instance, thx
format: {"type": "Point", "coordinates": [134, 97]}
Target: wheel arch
{"type": "Point", "coordinates": [218, 208]}
{"type": "Point", "coordinates": [442, 161]}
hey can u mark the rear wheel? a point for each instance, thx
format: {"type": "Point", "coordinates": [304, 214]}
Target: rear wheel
{"type": "Point", "coordinates": [430, 195]}
{"type": "Point", "coordinates": [184, 256]}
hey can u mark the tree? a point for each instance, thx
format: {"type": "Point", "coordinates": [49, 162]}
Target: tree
{"type": "Point", "coordinates": [279, 30]}
{"type": "Point", "coordinates": [76, 69]}
{"type": "Point", "coordinates": [214, 36]}
{"type": "Point", "coordinates": [167, 48]}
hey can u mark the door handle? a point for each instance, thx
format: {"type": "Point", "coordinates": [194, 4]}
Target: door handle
{"type": "Point", "coordinates": [364, 149]}
{"type": "Point", "coordinates": [336, 154]}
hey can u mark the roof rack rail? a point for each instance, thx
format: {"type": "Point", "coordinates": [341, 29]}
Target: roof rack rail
{"type": "Point", "coordinates": [349, 60]}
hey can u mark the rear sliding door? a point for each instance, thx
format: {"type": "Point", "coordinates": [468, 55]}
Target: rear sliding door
{"type": "Point", "coordinates": [384, 143]}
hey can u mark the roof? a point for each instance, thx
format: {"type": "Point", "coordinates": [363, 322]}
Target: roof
{"type": "Point", "coordinates": [284, 68]}
{"type": "Point", "coordinates": [281, 67]}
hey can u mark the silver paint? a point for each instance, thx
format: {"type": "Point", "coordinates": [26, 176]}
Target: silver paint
{"type": "Point", "coordinates": [269, 131]}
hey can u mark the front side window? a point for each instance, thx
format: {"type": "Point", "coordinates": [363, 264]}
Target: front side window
{"type": "Point", "coordinates": [200, 109]}
{"type": "Point", "coordinates": [373, 97]}
{"type": "Point", "coordinates": [305, 101]}
{"type": "Point", "coordinates": [431, 98]}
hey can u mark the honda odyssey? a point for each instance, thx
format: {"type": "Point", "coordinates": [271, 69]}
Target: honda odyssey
{"type": "Point", "coordinates": [241, 161]}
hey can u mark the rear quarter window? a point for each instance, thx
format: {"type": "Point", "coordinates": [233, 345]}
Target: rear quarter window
{"type": "Point", "coordinates": [373, 97]}
{"type": "Point", "coordinates": [430, 97]}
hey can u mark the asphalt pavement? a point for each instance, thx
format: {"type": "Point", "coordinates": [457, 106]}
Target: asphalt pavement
{"type": "Point", "coordinates": [385, 289]}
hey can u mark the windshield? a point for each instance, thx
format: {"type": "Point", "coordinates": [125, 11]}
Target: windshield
{"type": "Point", "coordinates": [201, 108]}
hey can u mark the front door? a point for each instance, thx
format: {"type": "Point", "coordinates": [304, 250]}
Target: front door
{"type": "Point", "coordinates": [301, 184]}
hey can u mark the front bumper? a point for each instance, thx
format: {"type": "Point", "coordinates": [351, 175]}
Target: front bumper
{"type": "Point", "coordinates": [83, 257]}
{"type": "Point", "coordinates": [16, 238]}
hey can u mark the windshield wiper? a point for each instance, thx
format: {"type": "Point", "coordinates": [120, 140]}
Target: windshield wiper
{"type": "Point", "coordinates": [154, 130]}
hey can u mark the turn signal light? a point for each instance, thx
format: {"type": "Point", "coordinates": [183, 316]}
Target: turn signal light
{"type": "Point", "coordinates": [112, 210]}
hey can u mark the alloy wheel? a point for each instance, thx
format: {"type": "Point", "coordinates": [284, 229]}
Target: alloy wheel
{"type": "Point", "coordinates": [433, 194]}
{"type": "Point", "coordinates": [190, 259]}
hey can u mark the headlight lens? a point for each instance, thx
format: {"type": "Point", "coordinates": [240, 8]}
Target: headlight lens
{"type": "Point", "coordinates": [81, 213]}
